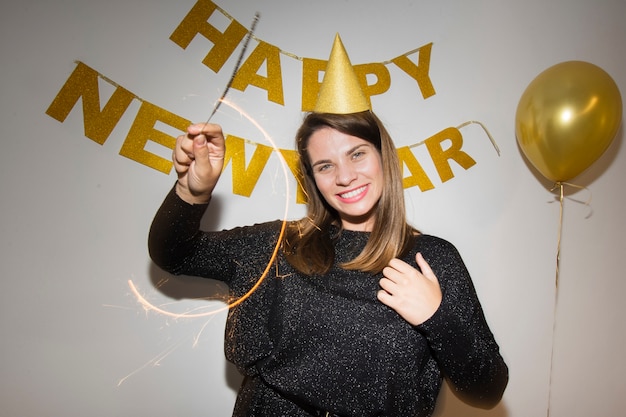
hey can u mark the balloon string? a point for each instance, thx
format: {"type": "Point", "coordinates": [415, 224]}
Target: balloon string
{"type": "Point", "coordinates": [580, 187]}
{"type": "Point", "coordinates": [560, 186]}
{"type": "Point", "coordinates": [561, 190]}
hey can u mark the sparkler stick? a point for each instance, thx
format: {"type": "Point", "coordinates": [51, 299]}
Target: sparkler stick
{"type": "Point", "coordinates": [232, 77]}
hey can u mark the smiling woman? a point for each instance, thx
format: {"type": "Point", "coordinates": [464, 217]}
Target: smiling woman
{"type": "Point", "coordinates": [349, 176]}
{"type": "Point", "coordinates": [352, 178]}
{"type": "Point", "coordinates": [365, 316]}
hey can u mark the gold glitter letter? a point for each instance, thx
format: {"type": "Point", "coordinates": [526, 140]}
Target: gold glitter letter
{"type": "Point", "coordinates": [247, 74]}
{"type": "Point", "coordinates": [311, 69]}
{"type": "Point", "coordinates": [440, 157]}
{"type": "Point", "coordinates": [291, 158]}
{"type": "Point", "coordinates": [143, 131]}
{"type": "Point", "coordinates": [383, 79]}
{"type": "Point", "coordinates": [418, 72]}
{"type": "Point", "coordinates": [245, 179]}
{"type": "Point", "coordinates": [196, 22]}
{"type": "Point", "coordinates": [418, 175]}
{"type": "Point", "coordinates": [83, 82]}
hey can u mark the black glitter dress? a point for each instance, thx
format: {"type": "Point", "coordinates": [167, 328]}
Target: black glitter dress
{"type": "Point", "coordinates": [311, 344]}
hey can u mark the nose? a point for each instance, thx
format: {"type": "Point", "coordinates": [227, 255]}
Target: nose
{"type": "Point", "coordinates": [345, 174]}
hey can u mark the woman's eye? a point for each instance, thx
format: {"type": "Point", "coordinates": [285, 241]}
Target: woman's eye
{"type": "Point", "coordinates": [324, 167]}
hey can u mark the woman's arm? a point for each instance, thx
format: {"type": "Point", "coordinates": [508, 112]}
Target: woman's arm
{"type": "Point", "coordinates": [175, 242]}
{"type": "Point", "coordinates": [459, 336]}
{"type": "Point", "coordinates": [175, 234]}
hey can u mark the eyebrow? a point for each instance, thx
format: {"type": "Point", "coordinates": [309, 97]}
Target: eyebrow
{"type": "Point", "coordinates": [348, 152]}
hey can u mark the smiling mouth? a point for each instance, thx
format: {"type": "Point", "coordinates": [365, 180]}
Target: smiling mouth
{"type": "Point", "coordinates": [353, 193]}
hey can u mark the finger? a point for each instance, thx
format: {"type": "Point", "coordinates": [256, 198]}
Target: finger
{"type": "Point", "coordinates": [214, 139]}
{"type": "Point", "coordinates": [400, 266]}
{"type": "Point", "coordinates": [425, 267]}
{"type": "Point", "coordinates": [384, 297]}
{"type": "Point", "coordinates": [200, 151]}
{"type": "Point", "coordinates": [388, 285]}
{"type": "Point", "coordinates": [181, 167]}
{"type": "Point", "coordinates": [400, 272]}
{"type": "Point", "coordinates": [207, 129]}
{"type": "Point", "coordinates": [183, 151]}
{"type": "Point", "coordinates": [392, 274]}
{"type": "Point", "coordinates": [196, 129]}
{"type": "Point", "coordinates": [181, 158]}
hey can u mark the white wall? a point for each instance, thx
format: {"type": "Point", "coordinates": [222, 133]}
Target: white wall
{"type": "Point", "coordinates": [75, 214]}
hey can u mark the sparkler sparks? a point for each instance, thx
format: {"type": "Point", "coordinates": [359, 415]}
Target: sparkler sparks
{"type": "Point", "coordinates": [194, 313]}
{"type": "Point", "coordinates": [149, 306]}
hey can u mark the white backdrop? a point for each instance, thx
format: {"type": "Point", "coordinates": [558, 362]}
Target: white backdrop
{"type": "Point", "coordinates": [75, 214]}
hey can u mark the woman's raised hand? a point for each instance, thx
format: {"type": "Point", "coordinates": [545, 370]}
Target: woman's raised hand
{"type": "Point", "coordinates": [198, 159]}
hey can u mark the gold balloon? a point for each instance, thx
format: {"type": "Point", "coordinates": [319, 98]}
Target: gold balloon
{"type": "Point", "coordinates": [567, 117]}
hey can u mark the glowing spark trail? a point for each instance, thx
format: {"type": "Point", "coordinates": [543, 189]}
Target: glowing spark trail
{"type": "Point", "coordinates": [154, 362]}
{"type": "Point", "coordinates": [193, 312]}
{"type": "Point", "coordinates": [149, 306]}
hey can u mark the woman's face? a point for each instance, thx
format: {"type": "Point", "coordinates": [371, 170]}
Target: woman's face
{"type": "Point", "coordinates": [348, 173]}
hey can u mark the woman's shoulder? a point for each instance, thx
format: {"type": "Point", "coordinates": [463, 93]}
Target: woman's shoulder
{"type": "Point", "coordinates": [432, 243]}
{"type": "Point", "coordinates": [246, 239]}
{"type": "Point", "coordinates": [272, 227]}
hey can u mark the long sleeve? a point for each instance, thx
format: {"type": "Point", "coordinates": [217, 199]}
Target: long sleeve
{"type": "Point", "coordinates": [173, 232]}
{"type": "Point", "coordinates": [458, 334]}
{"type": "Point", "coordinates": [178, 245]}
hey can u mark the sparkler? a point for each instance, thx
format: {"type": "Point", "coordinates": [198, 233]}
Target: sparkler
{"type": "Point", "coordinates": [194, 314]}
{"type": "Point", "coordinates": [237, 65]}
{"type": "Point", "coordinates": [285, 167]}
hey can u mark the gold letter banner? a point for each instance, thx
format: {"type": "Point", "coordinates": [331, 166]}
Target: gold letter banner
{"type": "Point", "coordinates": [98, 125]}
{"type": "Point", "coordinates": [267, 56]}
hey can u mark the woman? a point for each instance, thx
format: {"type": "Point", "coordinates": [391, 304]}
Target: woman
{"type": "Point", "coordinates": [361, 314]}
{"type": "Point", "coordinates": [342, 326]}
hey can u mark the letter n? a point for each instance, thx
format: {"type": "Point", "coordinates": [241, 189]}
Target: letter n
{"type": "Point", "coordinates": [83, 83]}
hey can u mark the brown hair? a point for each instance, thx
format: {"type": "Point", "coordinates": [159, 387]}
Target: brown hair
{"type": "Point", "coordinates": [308, 244]}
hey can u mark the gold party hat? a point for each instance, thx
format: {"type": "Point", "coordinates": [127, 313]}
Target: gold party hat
{"type": "Point", "coordinates": [340, 92]}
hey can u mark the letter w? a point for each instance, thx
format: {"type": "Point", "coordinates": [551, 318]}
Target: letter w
{"type": "Point", "coordinates": [245, 179]}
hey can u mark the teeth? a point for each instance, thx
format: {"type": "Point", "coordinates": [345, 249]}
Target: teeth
{"type": "Point", "coordinates": [353, 193]}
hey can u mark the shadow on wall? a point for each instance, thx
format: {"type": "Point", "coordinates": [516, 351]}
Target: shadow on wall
{"type": "Point", "coordinates": [449, 405]}
{"type": "Point", "coordinates": [185, 287]}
